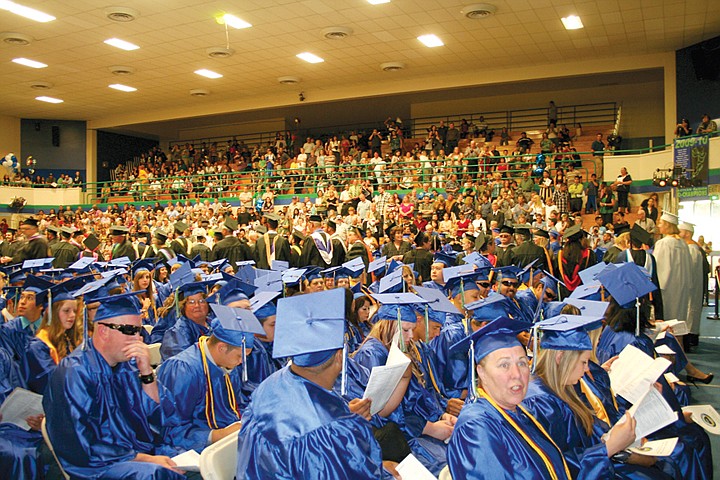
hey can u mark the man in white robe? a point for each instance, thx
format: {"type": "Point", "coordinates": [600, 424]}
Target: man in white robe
{"type": "Point", "coordinates": [673, 269]}
{"type": "Point", "coordinates": [695, 287]}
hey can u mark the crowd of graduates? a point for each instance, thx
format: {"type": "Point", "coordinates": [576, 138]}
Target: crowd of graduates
{"type": "Point", "coordinates": [269, 331]}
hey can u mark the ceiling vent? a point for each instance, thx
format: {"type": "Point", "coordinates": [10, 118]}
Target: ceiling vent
{"type": "Point", "coordinates": [199, 92]}
{"type": "Point", "coordinates": [337, 33]}
{"type": "Point", "coordinates": [391, 66]}
{"type": "Point", "coordinates": [121, 70]}
{"type": "Point", "coordinates": [288, 80]}
{"type": "Point", "coordinates": [16, 38]}
{"type": "Point", "coordinates": [121, 14]}
{"type": "Point", "coordinates": [220, 52]}
{"type": "Point", "coordinates": [41, 85]}
{"type": "Point", "coordinates": [479, 10]}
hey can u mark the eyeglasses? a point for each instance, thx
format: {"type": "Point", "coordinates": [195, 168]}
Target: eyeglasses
{"type": "Point", "coordinates": [197, 302]}
{"type": "Point", "coordinates": [483, 284]}
{"type": "Point", "coordinates": [125, 329]}
{"type": "Point", "coordinates": [550, 295]}
{"type": "Point", "coordinates": [508, 283]}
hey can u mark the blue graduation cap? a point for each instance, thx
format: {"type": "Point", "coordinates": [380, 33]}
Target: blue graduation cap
{"type": "Point", "coordinates": [626, 283]}
{"type": "Point", "coordinates": [589, 308]}
{"type": "Point", "coordinates": [37, 264]}
{"type": "Point", "coordinates": [272, 282]}
{"type": "Point", "coordinates": [38, 286]}
{"type": "Point", "coordinates": [82, 264]}
{"type": "Point", "coordinates": [377, 266]}
{"type": "Point", "coordinates": [589, 275]}
{"type": "Point", "coordinates": [478, 260]}
{"type": "Point", "coordinates": [144, 265]}
{"type": "Point", "coordinates": [292, 276]}
{"type": "Point", "coordinates": [553, 309]}
{"type": "Point", "coordinates": [436, 300]}
{"type": "Point", "coordinates": [236, 327]}
{"type": "Point", "coordinates": [310, 328]}
{"type": "Point", "coordinates": [500, 333]}
{"type": "Point", "coordinates": [180, 276]}
{"type": "Point", "coordinates": [509, 271]}
{"type": "Point", "coordinates": [312, 273]}
{"type": "Point", "coordinates": [16, 276]}
{"type": "Point", "coordinates": [392, 282]}
{"type": "Point", "coordinates": [261, 304]}
{"type": "Point", "coordinates": [460, 279]}
{"type": "Point", "coordinates": [193, 288]}
{"type": "Point", "coordinates": [64, 291]}
{"type": "Point", "coordinates": [214, 278]}
{"type": "Point", "coordinates": [120, 262]}
{"type": "Point", "coordinates": [568, 332]}
{"type": "Point", "coordinates": [244, 263]}
{"type": "Point", "coordinates": [588, 292]}
{"type": "Point", "coordinates": [329, 272]}
{"type": "Point", "coordinates": [398, 307]}
{"type": "Point", "coordinates": [246, 273]}
{"type": "Point", "coordinates": [392, 266]}
{"type": "Point", "coordinates": [446, 259]}
{"type": "Point", "coordinates": [118, 305]}
{"type": "Point", "coordinates": [355, 266]}
{"type": "Point", "coordinates": [216, 265]}
{"type": "Point", "coordinates": [234, 290]}
{"type": "Point", "coordinates": [279, 265]}
{"type": "Point", "coordinates": [490, 307]}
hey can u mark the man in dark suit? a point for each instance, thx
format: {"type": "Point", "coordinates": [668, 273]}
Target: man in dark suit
{"type": "Point", "coordinates": [199, 248]}
{"type": "Point", "coordinates": [228, 246]}
{"type": "Point", "coordinates": [526, 251]}
{"type": "Point", "coordinates": [504, 251]}
{"type": "Point", "coordinates": [420, 256]}
{"type": "Point", "coordinates": [65, 253]}
{"type": "Point", "coordinates": [495, 214]}
{"type": "Point", "coordinates": [271, 246]}
{"type": "Point", "coordinates": [182, 245]}
{"type": "Point", "coordinates": [35, 245]}
{"type": "Point", "coordinates": [356, 246]}
{"type": "Point", "coordinates": [318, 247]}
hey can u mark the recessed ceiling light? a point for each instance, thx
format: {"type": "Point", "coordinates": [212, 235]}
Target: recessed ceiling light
{"type": "Point", "coordinates": [208, 73]}
{"type": "Point", "coordinates": [377, 2]}
{"type": "Point", "coordinates": [26, 12]}
{"type": "Point", "coordinates": [572, 22]}
{"type": "Point", "coordinates": [430, 40]}
{"type": "Point", "coordinates": [116, 42]}
{"type": "Point", "coordinates": [29, 63]}
{"type": "Point", "coordinates": [235, 22]}
{"type": "Point", "coordinates": [122, 88]}
{"type": "Point", "coordinates": [309, 57]}
{"type": "Point", "coordinates": [49, 99]}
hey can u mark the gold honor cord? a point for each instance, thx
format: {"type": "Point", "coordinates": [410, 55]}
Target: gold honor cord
{"type": "Point", "coordinates": [595, 402]}
{"type": "Point", "coordinates": [416, 351]}
{"type": "Point", "coordinates": [533, 445]}
{"type": "Point", "coordinates": [209, 394]}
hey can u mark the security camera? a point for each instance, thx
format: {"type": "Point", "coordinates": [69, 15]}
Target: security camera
{"type": "Point", "coordinates": [301, 97]}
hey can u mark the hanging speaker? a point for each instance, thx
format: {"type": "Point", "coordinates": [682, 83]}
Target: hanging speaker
{"type": "Point", "coordinates": [56, 136]}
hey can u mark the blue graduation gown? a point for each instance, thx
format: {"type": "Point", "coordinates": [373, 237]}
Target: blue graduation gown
{"type": "Point", "coordinates": [260, 365]}
{"type": "Point", "coordinates": [526, 305]}
{"type": "Point", "coordinates": [31, 354]}
{"type": "Point", "coordinates": [485, 446]}
{"type": "Point", "coordinates": [180, 336]}
{"type": "Point", "coordinates": [99, 419]}
{"type": "Point", "coordinates": [452, 368]}
{"type": "Point", "coordinates": [184, 376]}
{"type": "Point", "coordinates": [293, 428]}
{"type": "Point", "coordinates": [692, 455]}
{"type": "Point", "coordinates": [162, 325]}
{"type": "Point", "coordinates": [428, 366]}
{"type": "Point", "coordinates": [433, 284]}
{"type": "Point", "coordinates": [18, 447]}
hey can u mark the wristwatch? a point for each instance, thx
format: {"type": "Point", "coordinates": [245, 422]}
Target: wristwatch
{"type": "Point", "coordinates": [621, 457]}
{"type": "Point", "coordinates": [147, 379]}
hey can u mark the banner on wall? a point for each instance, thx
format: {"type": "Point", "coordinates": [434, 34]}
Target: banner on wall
{"type": "Point", "coordinates": [693, 154]}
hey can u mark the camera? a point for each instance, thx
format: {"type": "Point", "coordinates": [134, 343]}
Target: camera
{"type": "Point", "coordinates": [301, 97]}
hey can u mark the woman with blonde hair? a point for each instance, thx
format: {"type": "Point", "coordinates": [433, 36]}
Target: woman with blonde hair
{"type": "Point", "coordinates": [61, 326]}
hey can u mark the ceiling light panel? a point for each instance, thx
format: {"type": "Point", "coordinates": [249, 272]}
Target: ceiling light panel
{"type": "Point", "coordinates": [29, 63]}
{"type": "Point", "coordinates": [49, 99]}
{"type": "Point", "coordinates": [203, 72]}
{"type": "Point", "coordinates": [26, 12]}
{"type": "Point", "coordinates": [430, 40]}
{"type": "Point", "coordinates": [572, 22]}
{"type": "Point", "coordinates": [309, 57]}
{"type": "Point", "coordinates": [122, 44]}
{"type": "Point", "coordinates": [377, 2]}
{"type": "Point", "coordinates": [235, 22]}
{"type": "Point", "coordinates": [122, 88]}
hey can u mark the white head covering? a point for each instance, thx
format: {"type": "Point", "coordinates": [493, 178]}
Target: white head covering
{"type": "Point", "coordinates": [687, 226]}
{"type": "Point", "coordinates": [669, 218]}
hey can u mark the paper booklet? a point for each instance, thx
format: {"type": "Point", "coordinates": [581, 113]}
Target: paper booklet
{"type": "Point", "coordinates": [384, 379]}
{"type": "Point", "coordinates": [411, 469]}
{"type": "Point", "coordinates": [19, 405]}
{"type": "Point", "coordinates": [634, 372]}
{"type": "Point", "coordinates": [651, 414]}
{"type": "Point", "coordinates": [187, 461]}
{"type": "Point", "coordinates": [679, 327]}
{"type": "Point", "coordinates": [705, 416]}
{"type": "Point", "coordinates": [656, 448]}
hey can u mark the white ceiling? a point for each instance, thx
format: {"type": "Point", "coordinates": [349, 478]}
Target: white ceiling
{"type": "Point", "coordinates": [174, 34]}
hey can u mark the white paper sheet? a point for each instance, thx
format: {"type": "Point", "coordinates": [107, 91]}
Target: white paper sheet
{"type": "Point", "coordinates": [384, 379]}
{"type": "Point", "coordinates": [664, 350]}
{"type": "Point", "coordinates": [705, 416]}
{"type": "Point", "coordinates": [188, 461]}
{"type": "Point", "coordinates": [411, 469]}
{"type": "Point", "coordinates": [679, 327]}
{"type": "Point", "coordinates": [651, 414]}
{"type": "Point", "coordinates": [19, 405]}
{"type": "Point", "coordinates": [671, 378]}
{"type": "Point", "coordinates": [634, 372]}
{"type": "Point", "coordinates": [657, 448]}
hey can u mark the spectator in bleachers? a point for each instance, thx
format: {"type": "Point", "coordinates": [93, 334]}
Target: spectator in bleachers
{"type": "Point", "coordinates": [706, 125]}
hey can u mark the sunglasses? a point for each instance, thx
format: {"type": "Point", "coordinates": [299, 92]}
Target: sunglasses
{"type": "Point", "coordinates": [551, 296]}
{"type": "Point", "coordinates": [508, 283]}
{"type": "Point", "coordinates": [128, 330]}
{"type": "Point", "coordinates": [484, 284]}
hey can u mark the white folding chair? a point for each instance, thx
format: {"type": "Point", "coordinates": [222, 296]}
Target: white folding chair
{"type": "Point", "coordinates": [445, 474]}
{"type": "Point", "coordinates": [155, 358]}
{"type": "Point", "coordinates": [52, 450]}
{"type": "Point", "coordinates": [219, 460]}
